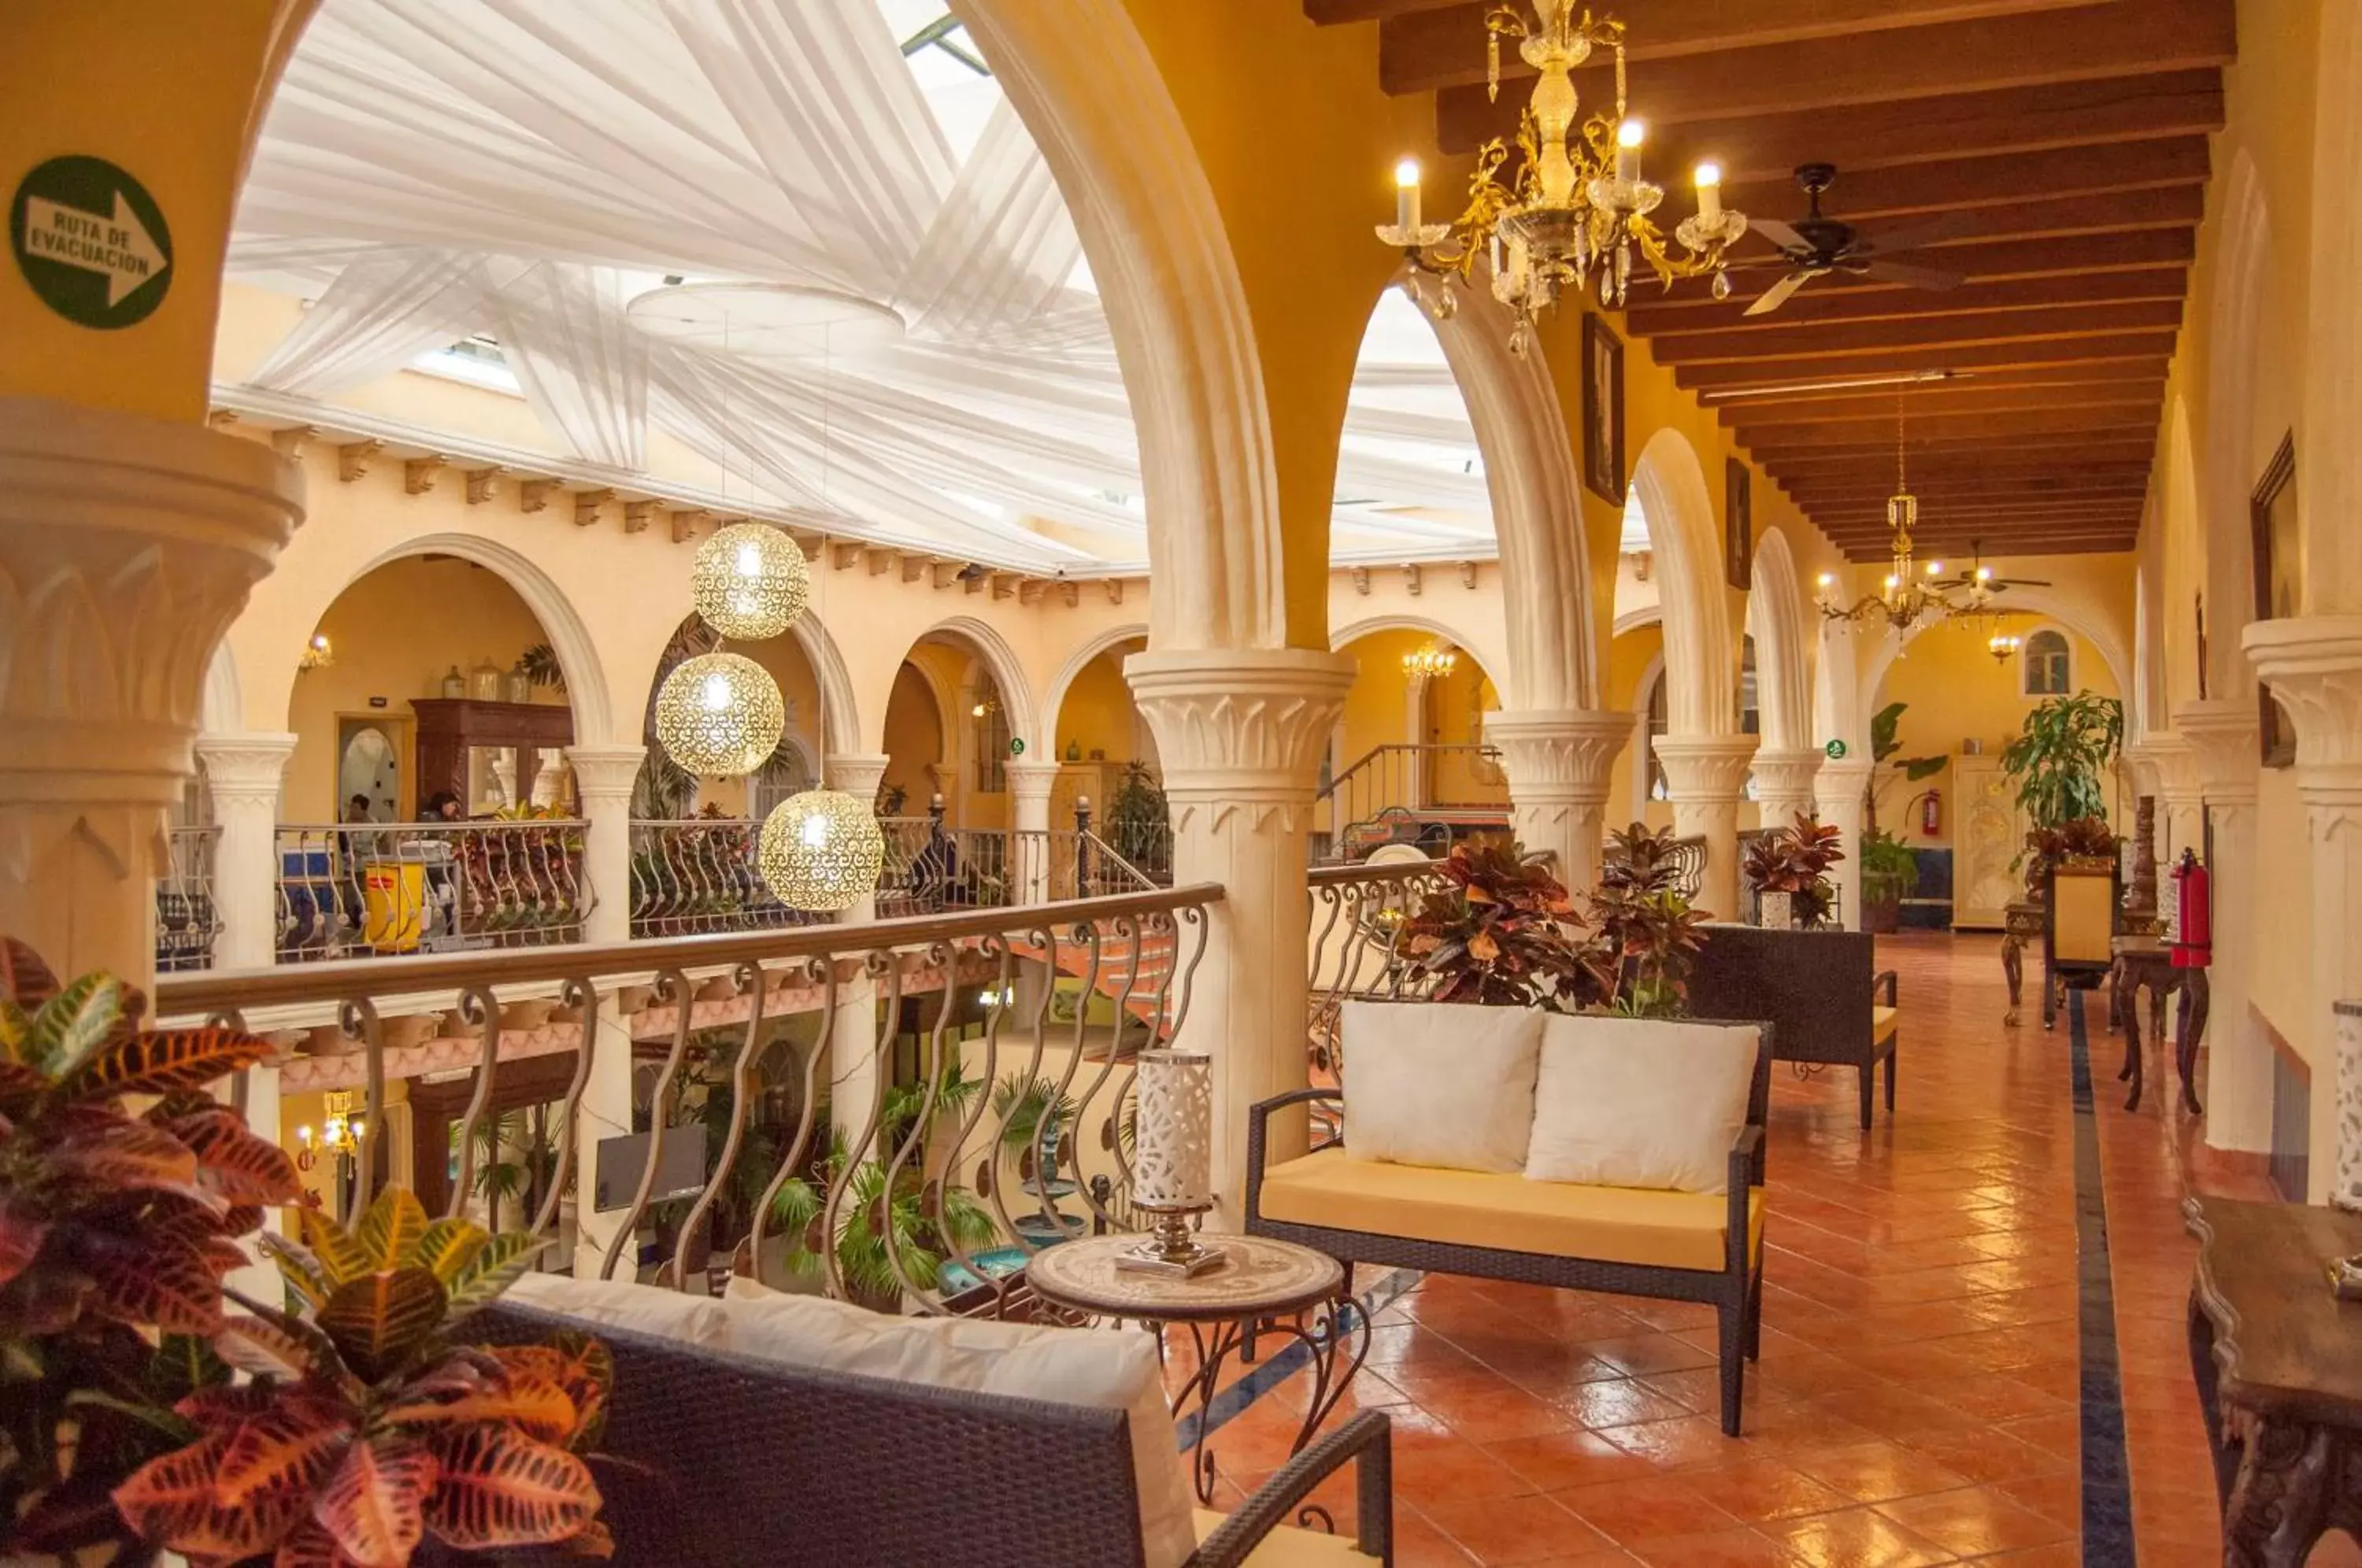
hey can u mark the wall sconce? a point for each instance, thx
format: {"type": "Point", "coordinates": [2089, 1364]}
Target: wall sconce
{"type": "Point", "coordinates": [2001, 644]}
{"type": "Point", "coordinates": [317, 654]}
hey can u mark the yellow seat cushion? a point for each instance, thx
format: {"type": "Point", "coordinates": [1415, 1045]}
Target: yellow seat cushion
{"type": "Point", "coordinates": [1287, 1547]}
{"type": "Point", "coordinates": [1883, 1025]}
{"type": "Point", "coordinates": [1507, 1212]}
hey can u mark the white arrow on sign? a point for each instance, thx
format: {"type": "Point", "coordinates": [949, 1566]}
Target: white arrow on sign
{"type": "Point", "coordinates": [121, 249]}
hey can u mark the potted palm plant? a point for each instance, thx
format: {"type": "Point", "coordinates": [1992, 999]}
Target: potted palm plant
{"type": "Point", "coordinates": [1890, 873]}
{"type": "Point", "coordinates": [2059, 762]}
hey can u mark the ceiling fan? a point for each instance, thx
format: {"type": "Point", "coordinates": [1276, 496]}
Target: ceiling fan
{"type": "Point", "coordinates": [1979, 578]}
{"type": "Point", "coordinates": [1815, 246]}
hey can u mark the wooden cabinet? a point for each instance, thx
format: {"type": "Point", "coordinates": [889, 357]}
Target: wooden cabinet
{"type": "Point", "coordinates": [449, 727]}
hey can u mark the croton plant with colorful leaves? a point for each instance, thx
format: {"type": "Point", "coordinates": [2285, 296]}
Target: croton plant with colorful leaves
{"type": "Point", "coordinates": [137, 1409]}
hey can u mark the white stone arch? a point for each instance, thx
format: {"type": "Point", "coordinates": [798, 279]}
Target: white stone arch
{"type": "Point", "coordinates": [1531, 474]}
{"type": "Point", "coordinates": [1371, 625]}
{"type": "Point", "coordinates": [2242, 295]}
{"type": "Point", "coordinates": [1088, 90]}
{"type": "Point", "coordinates": [1017, 695]}
{"type": "Point", "coordinates": [1775, 611]}
{"type": "Point", "coordinates": [221, 707]}
{"type": "Point", "coordinates": [1838, 691]}
{"type": "Point", "coordinates": [1701, 654]}
{"type": "Point", "coordinates": [841, 715]}
{"type": "Point", "coordinates": [1054, 703]}
{"type": "Point", "coordinates": [2065, 611]}
{"type": "Point", "coordinates": [587, 677]}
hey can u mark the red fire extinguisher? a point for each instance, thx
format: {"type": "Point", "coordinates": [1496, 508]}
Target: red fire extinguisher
{"type": "Point", "coordinates": [2193, 920]}
{"type": "Point", "coordinates": [1931, 814]}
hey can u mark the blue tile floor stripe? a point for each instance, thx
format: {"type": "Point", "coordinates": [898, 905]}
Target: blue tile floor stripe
{"type": "Point", "coordinates": [2107, 1485]}
{"type": "Point", "coordinates": [1282, 1364]}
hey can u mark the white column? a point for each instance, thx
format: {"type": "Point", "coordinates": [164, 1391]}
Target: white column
{"type": "Point", "coordinates": [128, 545]}
{"type": "Point", "coordinates": [1783, 784]}
{"type": "Point", "coordinates": [2315, 666]}
{"type": "Point", "coordinates": [2222, 732]}
{"type": "Point", "coordinates": [1559, 764]}
{"type": "Point", "coordinates": [852, 1037]}
{"type": "Point", "coordinates": [243, 773]}
{"type": "Point", "coordinates": [1704, 777]}
{"type": "Point", "coordinates": [1837, 790]}
{"type": "Point", "coordinates": [1241, 733]}
{"type": "Point", "coordinates": [2172, 764]}
{"type": "Point", "coordinates": [604, 776]}
{"type": "Point", "coordinates": [1029, 787]}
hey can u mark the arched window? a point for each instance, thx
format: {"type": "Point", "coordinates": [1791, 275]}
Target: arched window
{"type": "Point", "coordinates": [2047, 666]}
{"type": "Point", "coordinates": [1750, 717]}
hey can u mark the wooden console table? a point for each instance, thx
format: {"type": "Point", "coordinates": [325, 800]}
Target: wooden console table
{"type": "Point", "coordinates": [2147, 962]}
{"type": "Point", "coordinates": [2021, 923]}
{"type": "Point", "coordinates": [2278, 1364]}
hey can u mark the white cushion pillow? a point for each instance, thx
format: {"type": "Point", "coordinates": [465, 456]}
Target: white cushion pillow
{"type": "Point", "coordinates": [1639, 1102]}
{"type": "Point", "coordinates": [1439, 1083]}
{"type": "Point", "coordinates": [1114, 1370]}
{"type": "Point", "coordinates": [653, 1309]}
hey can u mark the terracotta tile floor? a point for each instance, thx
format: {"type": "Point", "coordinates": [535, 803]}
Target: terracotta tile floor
{"type": "Point", "coordinates": [1916, 1399]}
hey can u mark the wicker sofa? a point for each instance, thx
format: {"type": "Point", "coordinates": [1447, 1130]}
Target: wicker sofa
{"type": "Point", "coordinates": [1828, 1002]}
{"type": "Point", "coordinates": [727, 1461]}
{"type": "Point", "coordinates": [1672, 1246]}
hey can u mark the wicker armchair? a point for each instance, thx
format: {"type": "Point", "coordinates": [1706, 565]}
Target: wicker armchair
{"type": "Point", "coordinates": [727, 1462]}
{"type": "Point", "coordinates": [1822, 991]}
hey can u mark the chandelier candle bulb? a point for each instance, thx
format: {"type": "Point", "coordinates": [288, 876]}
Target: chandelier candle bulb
{"type": "Point", "coordinates": [1407, 195]}
{"type": "Point", "coordinates": [1628, 150]}
{"type": "Point", "coordinates": [1709, 192]}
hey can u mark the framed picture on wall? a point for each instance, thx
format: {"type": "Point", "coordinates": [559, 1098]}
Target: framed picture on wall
{"type": "Point", "coordinates": [2279, 583]}
{"type": "Point", "coordinates": [1738, 523]}
{"type": "Point", "coordinates": [1603, 409]}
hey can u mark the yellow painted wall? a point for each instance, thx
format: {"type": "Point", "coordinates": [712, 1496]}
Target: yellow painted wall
{"type": "Point", "coordinates": [784, 658]}
{"type": "Point", "coordinates": [1098, 712]}
{"type": "Point", "coordinates": [1629, 654]}
{"type": "Point", "coordinates": [1377, 707]}
{"type": "Point", "coordinates": [168, 92]}
{"type": "Point", "coordinates": [395, 632]}
{"type": "Point", "coordinates": [1957, 691]}
{"type": "Point", "coordinates": [914, 739]}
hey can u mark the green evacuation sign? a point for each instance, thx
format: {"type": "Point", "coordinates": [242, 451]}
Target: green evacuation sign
{"type": "Point", "coordinates": [1017, 745]}
{"type": "Point", "coordinates": [1835, 749]}
{"type": "Point", "coordinates": [90, 241]}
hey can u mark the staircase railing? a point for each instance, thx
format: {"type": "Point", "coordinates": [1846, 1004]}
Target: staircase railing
{"type": "Point", "coordinates": [1406, 792]}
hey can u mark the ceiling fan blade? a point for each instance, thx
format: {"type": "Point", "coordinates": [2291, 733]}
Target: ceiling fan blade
{"type": "Point", "coordinates": [1912, 233]}
{"type": "Point", "coordinates": [2019, 582]}
{"type": "Point", "coordinates": [1909, 277]}
{"type": "Point", "coordinates": [1780, 234]}
{"type": "Point", "coordinates": [1775, 296]}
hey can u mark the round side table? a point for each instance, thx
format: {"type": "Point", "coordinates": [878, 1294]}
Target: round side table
{"type": "Point", "coordinates": [1276, 1287]}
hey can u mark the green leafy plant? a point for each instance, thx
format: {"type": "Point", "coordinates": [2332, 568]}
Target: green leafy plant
{"type": "Point", "coordinates": [1500, 932]}
{"type": "Point", "coordinates": [2061, 755]}
{"type": "Point", "coordinates": [1140, 822]}
{"type": "Point", "coordinates": [1645, 935]}
{"type": "Point", "coordinates": [1795, 860]}
{"type": "Point", "coordinates": [1889, 870]}
{"type": "Point", "coordinates": [115, 1229]}
{"type": "Point", "coordinates": [539, 664]}
{"type": "Point", "coordinates": [883, 1244]}
{"type": "Point", "coordinates": [365, 1429]}
{"type": "Point", "coordinates": [1884, 742]}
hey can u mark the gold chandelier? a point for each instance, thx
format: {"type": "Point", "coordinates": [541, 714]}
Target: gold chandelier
{"type": "Point", "coordinates": [719, 715]}
{"type": "Point", "coordinates": [821, 850]}
{"type": "Point", "coordinates": [1429, 662]}
{"type": "Point", "coordinates": [1577, 203]}
{"type": "Point", "coordinates": [1912, 592]}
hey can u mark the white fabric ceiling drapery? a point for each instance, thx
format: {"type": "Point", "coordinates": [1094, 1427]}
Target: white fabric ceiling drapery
{"type": "Point", "coordinates": [436, 169]}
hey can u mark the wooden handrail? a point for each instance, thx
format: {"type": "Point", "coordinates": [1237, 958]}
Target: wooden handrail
{"type": "Point", "coordinates": [203, 992]}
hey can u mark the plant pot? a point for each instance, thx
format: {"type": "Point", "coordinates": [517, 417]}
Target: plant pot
{"type": "Point", "coordinates": [1882, 915]}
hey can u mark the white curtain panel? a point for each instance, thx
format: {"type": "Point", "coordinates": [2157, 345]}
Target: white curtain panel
{"type": "Point", "coordinates": [432, 169]}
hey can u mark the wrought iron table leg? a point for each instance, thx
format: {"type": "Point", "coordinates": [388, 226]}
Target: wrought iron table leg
{"type": "Point", "coordinates": [2134, 1063]}
{"type": "Point", "coordinates": [2196, 993]}
{"type": "Point", "coordinates": [1329, 1332]}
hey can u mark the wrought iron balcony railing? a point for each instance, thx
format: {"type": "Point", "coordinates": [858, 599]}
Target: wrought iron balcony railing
{"type": "Point", "coordinates": [378, 890]}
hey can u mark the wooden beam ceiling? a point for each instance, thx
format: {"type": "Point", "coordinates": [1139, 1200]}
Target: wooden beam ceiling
{"type": "Point", "coordinates": [2057, 147]}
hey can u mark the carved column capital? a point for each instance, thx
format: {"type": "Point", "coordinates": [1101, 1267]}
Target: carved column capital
{"type": "Point", "coordinates": [1784, 782]}
{"type": "Point", "coordinates": [1240, 728]}
{"type": "Point", "coordinates": [2168, 763]}
{"type": "Point", "coordinates": [1706, 770]}
{"type": "Point", "coordinates": [1560, 755]}
{"type": "Point", "coordinates": [2313, 664]}
{"type": "Point", "coordinates": [127, 546]}
{"type": "Point", "coordinates": [605, 772]}
{"type": "Point", "coordinates": [2222, 735]}
{"type": "Point", "coordinates": [857, 773]}
{"type": "Point", "coordinates": [246, 768]}
{"type": "Point", "coordinates": [1032, 780]}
